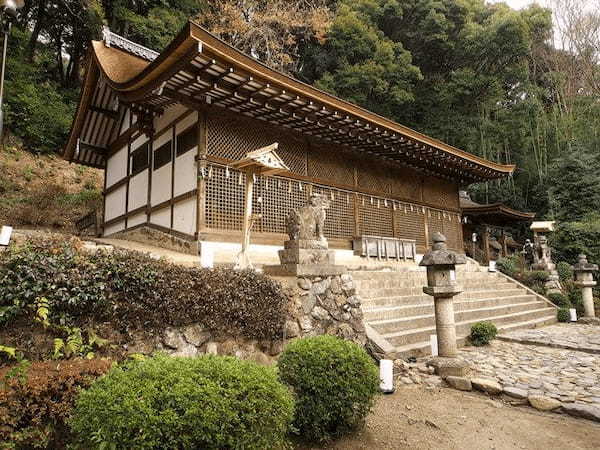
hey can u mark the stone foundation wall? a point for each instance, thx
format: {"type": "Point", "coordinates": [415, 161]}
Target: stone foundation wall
{"type": "Point", "coordinates": [317, 305]}
{"type": "Point", "coordinates": [150, 236]}
{"type": "Point", "coordinates": [324, 305]}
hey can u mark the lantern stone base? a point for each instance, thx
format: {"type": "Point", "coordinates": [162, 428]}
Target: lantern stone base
{"type": "Point", "coordinates": [449, 367]}
{"type": "Point", "coordinates": [589, 321]}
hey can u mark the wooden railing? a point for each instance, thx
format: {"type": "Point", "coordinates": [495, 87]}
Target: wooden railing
{"type": "Point", "coordinates": [87, 221]}
{"type": "Point", "coordinates": [385, 248]}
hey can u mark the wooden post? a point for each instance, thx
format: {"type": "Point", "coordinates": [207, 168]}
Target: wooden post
{"type": "Point", "coordinates": [485, 242]}
{"type": "Point", "coordinates": [202, 166]}
{"type": "Point", "coordinates": [243, 261]}
{"type": "Point", "coordinates": [504, 246]}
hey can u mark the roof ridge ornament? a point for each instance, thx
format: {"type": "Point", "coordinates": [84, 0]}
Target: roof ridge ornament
{"type": "Point", "coordinates": [114, 40]}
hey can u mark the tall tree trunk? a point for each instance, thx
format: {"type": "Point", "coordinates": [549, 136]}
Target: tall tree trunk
{"type": "Point", "coordinates": [31, 46]}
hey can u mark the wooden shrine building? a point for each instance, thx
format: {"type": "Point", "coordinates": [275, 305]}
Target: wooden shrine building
{"type": "Point", "coordinates": [167, 129]}
{"type": "Point", "coordinates": [485, 229]}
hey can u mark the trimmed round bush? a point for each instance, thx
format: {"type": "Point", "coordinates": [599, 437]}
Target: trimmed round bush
{"type": "Point", "coordinates": [210, 402]}
{"type": "Point", "coordinates": [559, 299]}
{"type": "Point", "coordinates": [563, 315]}
{"type": "Point", "coordinates": [482, 333]}
{"type": "Point", "coordinates": [335, 383]}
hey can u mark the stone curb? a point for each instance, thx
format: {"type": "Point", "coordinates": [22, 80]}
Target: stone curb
{"type": "Point", "coordinates": [548, 344]}
{"type": "Point", "coordinates": [539, 402]}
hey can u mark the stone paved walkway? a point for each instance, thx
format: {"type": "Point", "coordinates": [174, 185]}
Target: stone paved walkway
{"type": "Point", "coordinates": [565, 375]}
{"type": "Point", "coordinates": [585, 338]}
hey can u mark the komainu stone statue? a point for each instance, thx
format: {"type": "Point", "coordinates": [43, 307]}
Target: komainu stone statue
{"type": "Point", "coordinates": [543, 261]}
{"type": "Point", "coordinates": [306, 252]}
{"type": "Point", "coordinates": [307, 222]}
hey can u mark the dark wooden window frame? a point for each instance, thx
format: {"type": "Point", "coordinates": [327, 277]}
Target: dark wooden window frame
{"type": "Point", "coordinates": [162, 155]}
{"type": "Point", "coordinates": [187, 139]}
{"type": "Point", "coordinates": [139, 165]}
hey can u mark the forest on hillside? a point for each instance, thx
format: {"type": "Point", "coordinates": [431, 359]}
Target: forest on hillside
{"type": "Point", "coordinates": [514, 86]}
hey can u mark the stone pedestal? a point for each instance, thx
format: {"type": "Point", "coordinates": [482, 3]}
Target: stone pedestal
{"type": "Point", "coordinates": [445, 327]}
{"type": "Point", "coordinates": [584, 278]}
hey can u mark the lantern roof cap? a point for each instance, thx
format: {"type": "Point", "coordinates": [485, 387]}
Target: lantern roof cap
{"type": "Point", "coordinates": [584, 266]}
{"type": "Point", "coordinates": [440, 255]}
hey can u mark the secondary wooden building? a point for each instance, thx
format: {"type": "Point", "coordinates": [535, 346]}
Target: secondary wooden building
{"type": "Point", "coordinates": [167, 128]}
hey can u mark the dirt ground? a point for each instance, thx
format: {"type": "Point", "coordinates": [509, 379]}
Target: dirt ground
{"type": "Point", "coordinates": [442, 418]}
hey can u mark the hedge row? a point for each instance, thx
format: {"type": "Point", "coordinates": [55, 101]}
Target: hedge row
{"type": "Point", "coordinates": [324, 388]}
{"type": "Point", "coordinates": [133, 290]}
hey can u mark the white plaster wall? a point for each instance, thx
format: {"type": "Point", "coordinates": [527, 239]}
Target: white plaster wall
{"type": "Point", "coordinates": [116, 167]}
{"type": "Point", "coordinates": [185, 165]}
{"type": "Point", "coordinates": [185, 173]}
{"type": "Point", "coordinates": [114, 203]}
{"type": "Point", "coordinates": [115, 228]}
{"type": "Point", "coordinates": [169, 115]}
{"type": "Point", "coordinates": [161, 178]}
{"type": "Point", "coordinates": [162, 217]}
{"type": "Point", "coordinates": [138, 190]}
{"type": "Point", "coordinates": [136, 220]}
{"type": "Point", "coordinates": [184, 216]}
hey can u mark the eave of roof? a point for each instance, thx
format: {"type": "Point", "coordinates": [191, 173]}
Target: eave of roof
{"type": "Point", "coordinates": [497, 209]}
{"type": "Point", "coordinates": [138, 80]}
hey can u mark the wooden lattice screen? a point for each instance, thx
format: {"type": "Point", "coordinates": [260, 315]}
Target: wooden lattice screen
{"type": "Point", "coordinates": [274, 197]}
{"type": "Point", "coordinates": [338, 173]}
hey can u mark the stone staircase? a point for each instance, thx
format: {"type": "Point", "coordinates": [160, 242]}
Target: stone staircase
{"type": "Point", "coordinates": [400, 317]}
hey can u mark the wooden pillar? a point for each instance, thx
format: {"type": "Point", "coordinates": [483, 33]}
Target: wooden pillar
{"type": "Point", "coordinates": [202, 169]}
{"type": "Point", "coordinates": [485, 242]}
{"type": "Point", "coordinates": [243, 261]}
{"type": "Point", "coordinates": [426, 223]}
{"type": "Point", "coordinates": [503, 243]}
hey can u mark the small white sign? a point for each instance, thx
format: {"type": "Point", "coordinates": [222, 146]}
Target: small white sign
{"type": "Point", "coordinates": [207, 257]}
{"type": "Point", "coordinates": [5, 234]}
{"type": "Point", "coordinates": [492, 266]}
{"type": "Point", "coordinates": [452, 275]}
{"type": "Point", "coordinates": [573, 313]}
{"type": "Point", "coordinates": [386, 376]}
{"type": "Point", "coordinates": [434, 344]}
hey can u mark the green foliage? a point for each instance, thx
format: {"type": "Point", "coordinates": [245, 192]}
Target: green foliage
{"type": "Point", "coordinates": [563, 315]}
{"type": "Point", "coordinates": [575, 298]}
{"type": "Point", "coordinates": [208, 402]}
{"type": "Point", "coordinates": [335, 382]}
{"type": "Point", "coordinates": [36, 400]}
{"type": "Point", "coordinates": [565, 271]}
{"type": "Point", "coordinates": [508, 265]}
{"type": "Point", "coordinates": [482, 333]}
{"type": "Point", "coordinates": [133, 291]}
{"type": "Point", "coordinates": [574, 238]}
{"type": "Point", "coordinates": [559, 299]}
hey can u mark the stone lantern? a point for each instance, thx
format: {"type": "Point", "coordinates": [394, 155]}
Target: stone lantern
{"type": "Point", "coordinates": [442, 286]}
{"type": "Point", "coordinates": [584, 278]}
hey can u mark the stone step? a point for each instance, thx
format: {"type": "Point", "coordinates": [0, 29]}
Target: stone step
{"type": "Point", "coordinates": [391, 325]}
{"type": "Point", "coordinates": [423, 348]}
{"type": "Point", "coordinates": [396, 311]}
{"type": "Point", "coordinates": [365, 277]}
{"type": "Point", "coordinates": [417, 290]}
{"type": "Point", "coordinates": [423, 299]}
{"type": "Point", "coordinates": [421, 334]}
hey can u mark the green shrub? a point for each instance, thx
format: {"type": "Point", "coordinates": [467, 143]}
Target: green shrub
{"type": "Point", "coordinates": [36, 400]}
{"type": "Point", "coordinates": [575, 298]}
{"type": "Point", "coordinates": [538, 276]}
{"type": "Point", "coordinates": [559, 299]}
{"type": "Point", "coordinates": [565, 271]}
{"type": "Point", "coordinates": [335, 382]}
{"type": "Point", "coordinates": [134, 291]}
{"type": "Point", "coordinates": [508, 265]}
{"type": "Point", "coordinates": [482, 333]}
{"type": "Point", "coordinates": [563, 314]}
{"type": "Point", "coordinates": [211, 402]}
